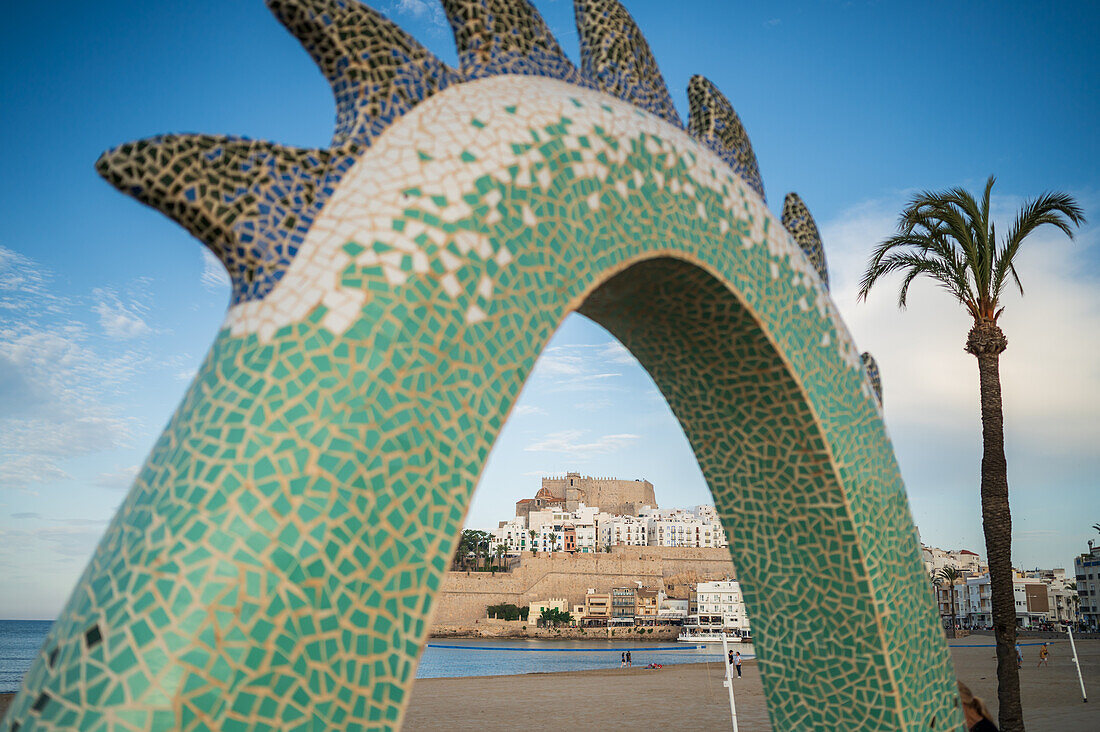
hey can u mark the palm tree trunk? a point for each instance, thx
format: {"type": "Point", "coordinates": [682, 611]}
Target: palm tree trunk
{"type": "Point", "coordinates": [987, 342]}
{"type": "Point", "coordinates": [953, 613]}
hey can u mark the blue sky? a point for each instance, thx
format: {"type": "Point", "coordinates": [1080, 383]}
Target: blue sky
{"type": "Point", "coordinates": [106, 308]}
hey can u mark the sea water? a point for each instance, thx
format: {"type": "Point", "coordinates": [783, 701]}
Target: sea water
{"type": "Point", "coordinates": [485, 657]}
{"type": "Point", "coordinates": [20, 641]}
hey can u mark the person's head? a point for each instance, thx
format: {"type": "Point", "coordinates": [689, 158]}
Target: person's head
{"type": "Point", "coordinates": [973, 706]}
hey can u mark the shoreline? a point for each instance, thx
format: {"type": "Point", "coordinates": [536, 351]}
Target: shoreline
{"type": "Point", "coordinates": [691, 695]}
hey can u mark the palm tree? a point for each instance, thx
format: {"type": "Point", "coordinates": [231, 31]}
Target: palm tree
{"type": "Point", "coordinates": [950, 575]}
{"type": "Point", "coordinates": [466, 543]}
{"type": "Point", "coordinates": [533, 534]}
{"type": "Point", "coordinates": [553, 538]}
{"type": "Point", "coordinates": [948, 237]}
{"type": "Point", "coordinates": [1097, 527]}
{"type": "Point", "coordinates": [500, 556]}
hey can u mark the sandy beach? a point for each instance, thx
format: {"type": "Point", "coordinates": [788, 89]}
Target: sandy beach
{"type": "Point", "coordinates": [691, 696]}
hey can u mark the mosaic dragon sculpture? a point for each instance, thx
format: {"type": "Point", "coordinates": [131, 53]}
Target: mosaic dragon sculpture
{"type": "Point", "coordinates": [276, 562]}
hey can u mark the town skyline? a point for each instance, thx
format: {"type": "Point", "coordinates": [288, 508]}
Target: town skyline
{"type": "Point", "coordinates": [688, 507]}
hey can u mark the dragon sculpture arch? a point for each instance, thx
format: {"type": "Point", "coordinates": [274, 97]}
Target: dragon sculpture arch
{"type": "Point", "coordinates": [275, 563]}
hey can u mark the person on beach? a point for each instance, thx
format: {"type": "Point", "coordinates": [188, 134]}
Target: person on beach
{"type": "Point", "coordinates": [1019, 657]}
{"type": "Point", "coordinates": [731, 657]}
{"type": "Point", "coordinates": [1044, 656]}
{"type": "Point", "coordinates": [737, 663]}
{"type": "Point", "coordinates": [628, 664]}
{"type": "Point", "coordinates": [622, 660]}
{"type": "Point", "coordinates": [977, 717]}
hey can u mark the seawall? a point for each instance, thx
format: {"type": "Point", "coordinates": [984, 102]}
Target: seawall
{"type": "Point", "coordinates": [465, 596]}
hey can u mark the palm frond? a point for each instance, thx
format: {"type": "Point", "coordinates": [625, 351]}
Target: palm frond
{"type": "Point", "coordinates": [949, 237]}
{"type": "Point", "coordinates": [1050, 209]}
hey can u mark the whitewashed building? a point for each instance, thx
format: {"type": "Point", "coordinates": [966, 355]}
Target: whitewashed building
{"type": "Point", "coordinates": [512, 535]}
{"type": "Point", "coordinates": [624, 531]}
{"type": "Point", "coordinates": [719, 604]}
{"type": "Point", "coordinates": [965, 561]}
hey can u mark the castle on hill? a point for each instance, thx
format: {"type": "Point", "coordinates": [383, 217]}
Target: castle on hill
{"type": "Point", "coordinates": [571, 491]}
{"type": "Point", "coordinates": [580, 515]}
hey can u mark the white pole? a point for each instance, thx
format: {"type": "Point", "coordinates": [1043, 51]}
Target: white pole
{"type": "Point", "coordinates": [1073, 647]}
{"type": "Point", "coordinates": [728, 683]}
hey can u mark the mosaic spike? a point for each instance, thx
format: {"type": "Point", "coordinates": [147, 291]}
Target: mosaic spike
{"type": "Point", "coordinates": [250, 202]}
{"type": "Point", "coordinates": [873, 374]}
{"type": "Point", "coordinates": [616, 58]}
{"type": "Point", "coordinates": [798, 221]}
{"type": "Point", "coordinates": [713, 121]}
{"type": "Point", "coordinates": [378, 72]}
{"type": "Point", "coordinates": [497, 37]}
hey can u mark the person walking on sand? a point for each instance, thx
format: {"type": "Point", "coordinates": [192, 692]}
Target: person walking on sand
{"type": "Point", "coordinates": [628, 663]}
{"type": "Point", "coordinates": [731, 657]}
{"type": "Point", "coordinates": [1019, 657]}
{"type": "Point", "coordinates": [1044, 656]}
{"type": "Point", "coordinates": [737, 664]}
{"type": "Point", "coordinates": [622, 660]}
{"type": "Point", "coordinates": [975, 714]}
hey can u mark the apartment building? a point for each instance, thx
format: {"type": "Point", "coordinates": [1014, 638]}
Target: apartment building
{"type": "Point", "coordinates": [1086, 570]}
{"type": "Point", "coordinates": [623, 605]}
{"type": "Point", "coordinates": [624, 531]}
{"type": "Point", "coordinates": [597, 608]}
{"type": "Point", "coordinates": [718, 605]}
{"type": "Point", "coordinates": [646, 606]}
{"type": "Point", "coordinates": [965, 561]}
{"type": "Point", "coordinates": [1040, 598]}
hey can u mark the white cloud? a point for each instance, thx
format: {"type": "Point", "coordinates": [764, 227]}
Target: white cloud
{"type": "Point", "coordinates": [118, 319]}
{"type": "Point", "coordinates": [560, 361]}
{"type": "Point", "coordinates": [118, 480]}
{"type": "Point", "coordinates": [70, 542]}
{"type": "Point", "coordinates": [615, 352]}
{"type": "Point", "coordinates": [572, 442]}
{"type": "Point", "coordinates": [428, 11]}
{"type": "Point", "coordinates": [214, 277]}
{"type": "Point", "coordinates": [22, 284]}
{"type": "Point", "coordinates": [58, 386]}
{"type": "Point", "coordinates": [594, 405]}
{"type": "Point", "coordinates": [523, 410]}
{"type": "Point", "coordinates": [22, 471]}
{"type": "Point", "coordinates": [582, 367]}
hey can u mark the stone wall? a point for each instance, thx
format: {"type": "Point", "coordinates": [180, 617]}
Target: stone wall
{"type": "Point", "coordinates": [464, 597]}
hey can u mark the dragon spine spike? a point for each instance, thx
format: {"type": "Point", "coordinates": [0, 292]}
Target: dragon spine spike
{"type": "Point", "coordinates": [250, 202]}
{"type": "Point", "coordinates": [378, 72]}
{"type": "Point", "coordinates": [496, 37]}
{"type": "Point", "coordinates": [798, 221]}
{"type": "Point", "coordinates": [875, 376]}
{"type": "Point", "coordinates": [713, 121]}
{"type": "Point", "coordinates": [616, 58]}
